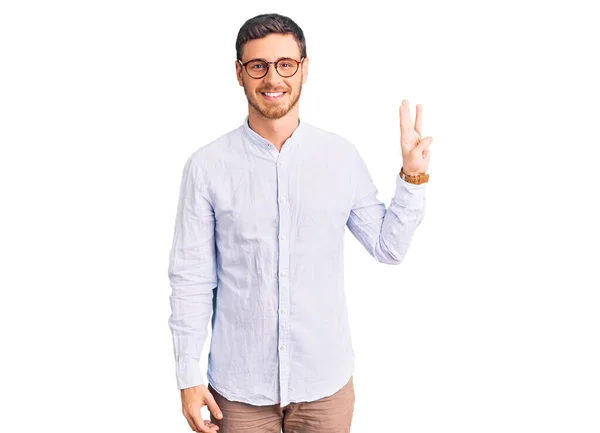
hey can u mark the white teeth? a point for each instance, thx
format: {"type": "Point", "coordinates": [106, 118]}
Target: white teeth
{"type": "Point", "coordinates": [274, 94]}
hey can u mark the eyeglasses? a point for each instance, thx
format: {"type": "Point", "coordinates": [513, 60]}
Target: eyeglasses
{"type": "Point", "coordinates": [285, 67]}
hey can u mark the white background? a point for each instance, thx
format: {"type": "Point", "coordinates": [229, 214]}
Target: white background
{"type": "Point", "coordinates": [491, 323]}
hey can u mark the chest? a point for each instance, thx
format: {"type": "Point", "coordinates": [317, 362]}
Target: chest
{"type": "Point", "coordinates": [314, 195]}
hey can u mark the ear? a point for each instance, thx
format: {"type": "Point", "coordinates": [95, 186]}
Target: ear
{"type": "Point", "coordinates": [304, 69]}
{"type": "Point", "coordinates": [238, 73]}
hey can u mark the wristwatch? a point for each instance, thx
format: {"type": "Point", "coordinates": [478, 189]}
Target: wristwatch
{"type": "Point", "coordinates": [417, 179]}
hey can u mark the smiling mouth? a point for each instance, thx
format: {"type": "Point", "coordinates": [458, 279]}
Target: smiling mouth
{"type": "Point", "coordinates": [273, 96]}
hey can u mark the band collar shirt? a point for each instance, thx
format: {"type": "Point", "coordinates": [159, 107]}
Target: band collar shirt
{"type": "Point", "coordinates": [258, 252]}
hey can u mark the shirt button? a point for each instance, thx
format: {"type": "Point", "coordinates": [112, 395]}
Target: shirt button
{"type": "Point", "coordinates": [283, 310]}
{"type": "Point", "coordinates": [282, 237]}
{"type": "Point", "coordinates": [282, 199]}
{"type": "Point", "coordinates": [282, 347]}
{"type": "Point", "coordinates": [282, 274]}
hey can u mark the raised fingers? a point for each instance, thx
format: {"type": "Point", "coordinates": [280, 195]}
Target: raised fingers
{"type": "Point", "coordinates": [419, 119]}
{"type": "Point", "coordinates": [405, 120]}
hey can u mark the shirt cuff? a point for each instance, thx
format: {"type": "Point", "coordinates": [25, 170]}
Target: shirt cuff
{"type": "Point", "coordinates": [408, 194]}
{"type": "Point", "coordinates": [188, 373]}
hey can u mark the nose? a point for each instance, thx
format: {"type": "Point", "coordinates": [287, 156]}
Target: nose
{"type": "Point", "coordinates": [272, 75]}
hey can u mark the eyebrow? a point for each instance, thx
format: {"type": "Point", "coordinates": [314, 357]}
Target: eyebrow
{"type": "Point", "coordinates": [278, 59]}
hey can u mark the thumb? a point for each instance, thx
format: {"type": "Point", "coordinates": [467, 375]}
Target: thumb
{"type": "Point", "coordinates": [213, 406]}
{"type": "Point", "coordinates": [424, 143]}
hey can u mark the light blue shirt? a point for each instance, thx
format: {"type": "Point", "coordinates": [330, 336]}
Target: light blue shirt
{"type": "Point", "coordinates": [259, 244]}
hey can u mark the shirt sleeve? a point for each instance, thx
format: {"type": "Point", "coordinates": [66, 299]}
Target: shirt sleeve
{"type": "Point", "coordinates": [192, 275]}
{"type": "Point", "coordinates": [385, 233]}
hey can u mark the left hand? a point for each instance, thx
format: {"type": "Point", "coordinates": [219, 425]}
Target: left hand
{"type": "Point", "coordinates": [415, 152]}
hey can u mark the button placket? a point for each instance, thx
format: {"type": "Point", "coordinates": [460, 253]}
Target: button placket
{"type": "Point", "coordinates": [284, 252]}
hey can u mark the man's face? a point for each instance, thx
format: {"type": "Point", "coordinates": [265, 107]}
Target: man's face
{"type": "Point", "coordinates": [271, 48]}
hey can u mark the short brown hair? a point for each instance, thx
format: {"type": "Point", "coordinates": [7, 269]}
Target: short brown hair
{"type": "Point", "coordinates": [265, 24]}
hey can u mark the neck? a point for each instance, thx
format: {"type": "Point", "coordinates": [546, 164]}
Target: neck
{"type": "Point", "coordinates": [276, 131]}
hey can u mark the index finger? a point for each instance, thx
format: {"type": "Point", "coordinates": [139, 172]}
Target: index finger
{"type": "Point", "coordinates": [199, 423]}
{"type": "Point", "coordinates": [405, 120]}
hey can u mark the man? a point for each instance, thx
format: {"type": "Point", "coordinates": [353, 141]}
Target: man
{"type": "Point", "coordinates": [259, 241]}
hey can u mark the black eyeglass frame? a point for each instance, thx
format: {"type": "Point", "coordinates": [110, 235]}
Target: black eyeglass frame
{"type": "Point", "coordinates": [299, 62]}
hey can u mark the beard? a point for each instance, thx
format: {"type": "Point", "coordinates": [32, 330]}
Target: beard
{"type": "Point", "coordinates": [273, 110]}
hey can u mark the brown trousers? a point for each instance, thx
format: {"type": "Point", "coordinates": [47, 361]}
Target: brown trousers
{"type": "Point", "coordinates": [331, 414]}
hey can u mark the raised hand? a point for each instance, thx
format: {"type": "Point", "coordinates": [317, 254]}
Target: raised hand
{"type": "Point", "coordinates": [415, 150]}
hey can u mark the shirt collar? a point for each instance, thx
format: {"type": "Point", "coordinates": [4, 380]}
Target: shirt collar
{"type": "Point", "coordinates": [259, 140]}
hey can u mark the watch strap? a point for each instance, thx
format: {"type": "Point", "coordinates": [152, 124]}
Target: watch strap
{"type": "Point", "coordinates": [415, 179]}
